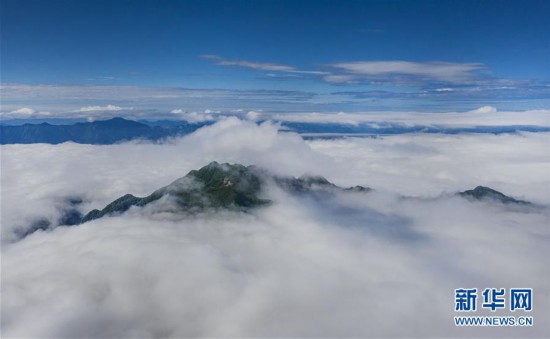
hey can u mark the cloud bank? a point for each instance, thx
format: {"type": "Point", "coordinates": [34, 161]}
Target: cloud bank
{"type": "Point", "coordinates": [483, 116]}
{"type": "Point", "coordinates": [351, 265]}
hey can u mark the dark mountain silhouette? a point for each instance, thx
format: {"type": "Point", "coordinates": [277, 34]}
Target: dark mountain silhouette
{"type": "Point", "coordinates": [486, 193]}
{"type": "Point", "coordinates": [227, 186]}
{"type": "Point", "coordinates": [236, 187]}
{"type": "Point", "coordinates": [98, 132]}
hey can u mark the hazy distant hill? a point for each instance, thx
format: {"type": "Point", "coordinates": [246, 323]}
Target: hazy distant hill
{"type": "Point", "coordinates": [97, 132]}
{"type": "Point", "coordinates": [118, 129]}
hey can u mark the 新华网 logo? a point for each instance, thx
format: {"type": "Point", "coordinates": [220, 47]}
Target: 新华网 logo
{"type": "Point", "coordinates": [493, 299]}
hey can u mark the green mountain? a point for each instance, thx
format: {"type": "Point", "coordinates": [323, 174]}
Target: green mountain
{"type": "Point", "coordinates": [241, 188]}
{"type": "Point", "coordinates": [238, 188]}
{"type": "Point", "coordinates": [227, 186]}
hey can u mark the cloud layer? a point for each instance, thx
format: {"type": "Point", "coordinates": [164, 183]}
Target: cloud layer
{"type": "Point", "coordinates": [483, 116]}
{"type": "Point", "coordinates": [353, 265]}
{"type": "Point", "coordinates": [82, 101]}
{"type": "Point", "coordinates": [404, 72]}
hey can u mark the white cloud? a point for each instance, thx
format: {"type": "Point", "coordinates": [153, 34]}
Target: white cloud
{"type": "Point", "coordinates": [192, 117]}
{"type": "Point", "coordinates": [252, 115]}
{"type": "Point", "coordinates": [63, 101]}
{"type": "Point", "coordinates": [485, 110]}
{"type": "Point", "coordinates": [355, 265]}
{"type": "Point", "coordinates": [264, 66]}
{"type": "Point", "coordinates": [397, 72]}
{"type": "Point", "coordinates": [197, 117]}
{"type": "Point", "coordinates": [340, 78]}
{"type": "Point", "coordinates": [23, 111]}
{"type": "Point", "coordinates": [446, 72]}
{"type": "Point", "coordinates": [429, 164]}
{"type": "Point", "coordinates": [108, 108]}
{"type": "Point", "coordinates": [445, 119]}
{"type": "Point", "coordinates": [209, 111]}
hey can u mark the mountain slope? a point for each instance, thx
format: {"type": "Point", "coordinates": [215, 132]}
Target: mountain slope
{"type": "Point", "coordinates": [220, 186]}
{"type": "Point", "coordinates": [237, 187]}
{"type": "Point", "coordinates": [486, 193]}
{"type": "Point", "coordinates": [242, 188]}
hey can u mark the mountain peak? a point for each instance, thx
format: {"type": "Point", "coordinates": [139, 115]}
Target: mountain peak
{"type": "Point", "coordinates": [218, 175]}
{"type": "Point", "coordinates": [119, 122]}
{"type": "Point", "coordinates": [487, 193]}
{"type": "Point", "coordinates": [227, 186]}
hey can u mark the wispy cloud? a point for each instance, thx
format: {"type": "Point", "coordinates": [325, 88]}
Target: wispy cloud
{"type": "Point", "coordinates": [380, 72]}
{"type": "Point", "coordinates": [108, 108]}
{"type": "Point", "coordinates": [100, 78]}
{"type": "Point", "coordinates": [404, 72]}
{"type": "Point", "coordinates": [83, 101]}
{"type": "Point", "coordinates": [487, 90]}
{"type": "Point", "coordinates": [460, 79]}
{"type": "Point", "coordinates": [23, 112]}
{"type": "Point", "coordinates": [92, 92]}
{"type": "Point", "coordinates": [262, 66]}
{"type": "Point", "coordinates": [138, 102]}
{"type": "Point", "coordinates": [482, 116]}
{"type": "Point", "coordinates": [485, 110]}
{"type": "Point", "coordinates": [194, 116]}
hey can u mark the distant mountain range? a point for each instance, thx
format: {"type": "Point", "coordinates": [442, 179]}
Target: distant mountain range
{"type": "Point", "coordinates": [118, 129]}
{"type": "Point", "coordinates": [97, 132]}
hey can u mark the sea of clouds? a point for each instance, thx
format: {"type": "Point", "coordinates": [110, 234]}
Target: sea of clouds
{"type": "Point", "coordinates": [353, 265]}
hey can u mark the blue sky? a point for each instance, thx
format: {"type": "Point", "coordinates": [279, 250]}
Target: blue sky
{"type": "Point", "coordinates": [276, 55]}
